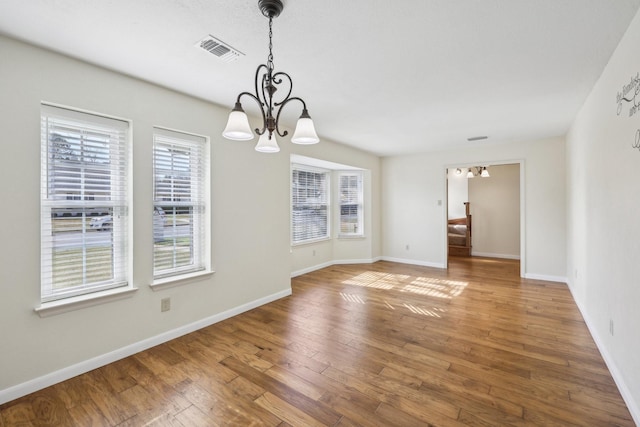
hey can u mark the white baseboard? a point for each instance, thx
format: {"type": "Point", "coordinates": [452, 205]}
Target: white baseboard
{"type": "Point", "coordinates": [414, 262]}
{"type": "Point", "coordinates": [52, 378]}
{"type": "Point", "coordinates": [545, 277]}
{"type": "Point", "coordinates": [355, 261]}
{"type": "Point", "coordinates": [618, 378]}
{"type": "Point", "coordinates": [365, 261]}
{"type": "Point", "coordinates": [335, 262]}
{"type": "Point", "coordinates": [312, 268]}
{"type": "Point", "coordinates": [491, 255]}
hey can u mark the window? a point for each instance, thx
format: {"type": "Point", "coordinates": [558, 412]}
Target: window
{"type": "Point", "coordinates": [351, 223]}
{"type": "Point", "coordinates": [180, 165]}
{"type": "Point", "coordinates": [84, 203]}
{"type": "Point", "coordinates": [309, 204]}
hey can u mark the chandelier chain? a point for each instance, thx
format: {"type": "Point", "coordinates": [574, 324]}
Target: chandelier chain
{"type": "Point", "coordinates": [270, 58]}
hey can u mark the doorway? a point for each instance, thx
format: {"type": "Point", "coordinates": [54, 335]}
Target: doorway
{"type": "Point", "coordinates": [494, 201]}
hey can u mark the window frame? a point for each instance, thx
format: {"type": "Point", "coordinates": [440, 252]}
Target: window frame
{"type": "Point", "coordinates": [199, 209]}
{"type": "Point", "coordinates": [103, 143]}
{"type": "Point", "coordinates": [326, 203]}
{"type": "Point", "coordinates": [360, 204]}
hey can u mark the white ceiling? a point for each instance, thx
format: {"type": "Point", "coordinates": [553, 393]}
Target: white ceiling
{"type": "Point", "coordinates": [389, 77]}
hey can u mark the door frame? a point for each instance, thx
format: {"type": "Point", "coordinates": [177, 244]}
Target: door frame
{"type": "Point", "coordinates": [523, 223]}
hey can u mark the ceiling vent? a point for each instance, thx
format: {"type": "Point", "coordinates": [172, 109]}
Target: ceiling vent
{"type": "Point", "coordinates": [219, 49]}
{"type": "Point", "coordinates": [477, 138]}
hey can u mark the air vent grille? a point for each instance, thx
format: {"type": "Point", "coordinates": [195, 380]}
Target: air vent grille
{"type": "Point", "coordinates": [219, 49]}
{"type": "Point", "coordinates": [477, 138]}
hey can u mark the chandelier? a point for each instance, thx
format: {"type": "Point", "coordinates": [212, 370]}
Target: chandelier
{"type": "Point", "coordinates": [480, 170]}
{"type": "Point", "coordinates": [266, 85]}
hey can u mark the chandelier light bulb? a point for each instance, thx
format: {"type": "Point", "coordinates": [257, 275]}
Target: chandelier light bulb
{"type": "Point", "coordinates": [305, 132]}
{"type": "Point", "coordinates": [238, 128]}
{"type": "Point", "coordinates": [267, 143]}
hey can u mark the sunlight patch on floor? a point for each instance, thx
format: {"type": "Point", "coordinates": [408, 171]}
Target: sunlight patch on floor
{"type": "Point", "coordinates": [434, 312]}
{"type": "Point", "coordinates": [372, 279]}
{"type": "Point", "coordinates": [352, 298]}
{"type": "Point", "coordinates": [439, 288]}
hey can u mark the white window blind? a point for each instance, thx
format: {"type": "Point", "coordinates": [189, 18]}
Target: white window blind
{"type": "Point", "coordinates": [309, 204]}
{"type": "Point", "coordinates": [180, 165]}
{"type": "Point", "coordinates": [84, 186]}
{"type": "Point", "coordinates": [351, 200]}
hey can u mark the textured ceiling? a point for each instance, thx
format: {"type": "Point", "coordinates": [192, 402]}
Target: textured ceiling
{"type": "Point", "coordinates": [388, 77]}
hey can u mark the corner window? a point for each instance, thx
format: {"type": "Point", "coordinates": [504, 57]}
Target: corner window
{"type": "Point", "coordinates": [180, 171]}
{"type": "Point", "coordinates": [84, 203]}
{"type": "Point", "coordinates": [351, 200]}
{"type": "Point", "coordinates": [309, 204]}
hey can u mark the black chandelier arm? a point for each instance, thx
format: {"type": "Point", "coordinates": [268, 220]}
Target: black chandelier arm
{"type": "Point", "coordinates": [282, 104]}
{"type": "Point", "coordinates": [260, 104]}
{"type": "Point", "coordinates": [258, 79]}
{"type": "Point", "coordinates": [278, 81]}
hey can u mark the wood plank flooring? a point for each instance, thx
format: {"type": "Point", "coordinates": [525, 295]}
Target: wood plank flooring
{"type": "Point", "coordinates": [362, 345]}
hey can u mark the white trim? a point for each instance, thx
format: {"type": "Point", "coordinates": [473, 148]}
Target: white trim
{"type": "Point", "coordinates": [183, 279]}
{"type": "Point", "coordinates": [323, 164]}
{"type": "Point", "coordinates": [65, 305]}
{"type": "Point", "coordinates": [490, 255]}
{"type": "Point", "coordinates": [310, 241]}
{"type": "Point", "coordinates": [63, 374]}
{"type": "Point", "coordinates": [312, 268]}
{"type": "Point", "coordinates": [353, 261]}
{"type": "Point", "coordinates": [545, 277]}
{"type": "Point", "coordinates": [415, 262]}
{"type": "Point", "coordinates": [618, 378]}
{"type": "Point", "coordinates": [335, 262]}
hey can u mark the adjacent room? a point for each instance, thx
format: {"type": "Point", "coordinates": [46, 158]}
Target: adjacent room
{"type": "Point", "coordinates": [277, 212]}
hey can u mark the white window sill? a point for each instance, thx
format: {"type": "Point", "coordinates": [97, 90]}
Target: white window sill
{"type": "Point", "coordinates": [179, 280]}
{"type": "Point", "coordinates": [310, 241]}
{"type": "Point", "coordinates": [65, 305]}
{"type": "Point", "coordinates": [351, 236]}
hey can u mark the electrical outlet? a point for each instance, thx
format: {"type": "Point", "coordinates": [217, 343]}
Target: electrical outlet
{"type": "Point", "coordinates": [165, 304]}
{"type": "Point", "coordinates": [314, 252]}
{"type": "Point", "coordinates": [611, 326]}
{"type": "Point", "coordinates": [407, 247]}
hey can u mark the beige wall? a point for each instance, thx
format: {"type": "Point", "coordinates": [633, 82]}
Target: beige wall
{"type": "Point", "coordinates": [414, 215]}
{"type": "Point", "coordinates": [495, 206]}
{"type": "Point", "coordinates": [603, 175]}
{"type": "Point", "coordinates": [250, 220]}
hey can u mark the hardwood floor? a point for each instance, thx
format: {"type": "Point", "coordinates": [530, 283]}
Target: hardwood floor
{"type": "Point", "coordinates": [373, 345]}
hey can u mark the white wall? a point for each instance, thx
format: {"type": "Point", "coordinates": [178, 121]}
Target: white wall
{"type": "Point", "coordinates": [457, 193]}
{"type": "Point", "coordinates": [414, 192]}
{"type": "Point", "coordinates": [603, 178]}
{"type": "Point", "coordinates": [251, 251]}
{"type": "Point", "coordinates": [495, 207]}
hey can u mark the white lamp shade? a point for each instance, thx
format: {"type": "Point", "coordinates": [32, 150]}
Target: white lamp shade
{"type": "Point", "coordinates": [485, 173]}
{"type": "Point", "coordinates": [470, 174]}
{"type": "Point", "coordinates": [305, 132]}
{"type": "Point", "coordinates": [267, 144]}
{"type": "Point", "coordinates": [238, 128]}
